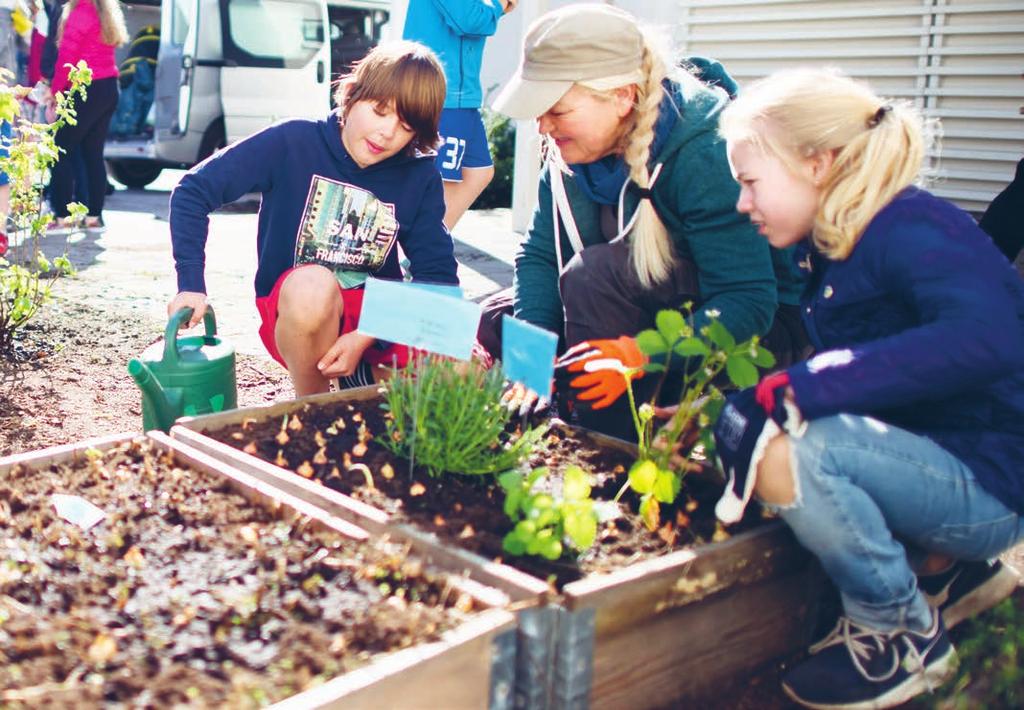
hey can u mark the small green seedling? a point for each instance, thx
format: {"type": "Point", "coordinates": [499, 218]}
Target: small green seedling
{"type": "Point", "coordinates": [544, 522]}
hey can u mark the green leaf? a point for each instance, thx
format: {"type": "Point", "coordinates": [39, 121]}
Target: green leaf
{"type": "Point", "coordinates": [513, 545]}
{"type": "Point", "coordinates": [651, 343]}
{"type": "Point", "coordinates": [513, 499]}
{"type": "Point", "coordinates": [720, 335]}
{"type": "Point", "coordinates": [526, 530]}
{"type": "Point", "coordinates": [511, 481]}
{"type": "Point", "coordinates": [551, 549]}
{"type": "Point", "coordinates": [544, 517]}
{"type": "Point", "coordinates": [762, 356]}
{"type": "Point", "coordinates": [577, 484]}
{"type": "Point", "coordinates": [580, 525]}
{"type": "Point", "coordinates": [642, 476]}
{"type": "Point", "coordinates": [653, 367]}
{"type": "Point", "coordinates": [666, 486]}
{"type": "Point", "coordinates": [691, 347]}
{"type": "Point", "coordinates": [741, 371]}
{"type": "Point", "coordinates": [670, 324]}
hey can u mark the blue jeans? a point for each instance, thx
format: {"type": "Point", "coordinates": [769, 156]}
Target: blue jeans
{"type": "Point", "coordinates": [870, 495]}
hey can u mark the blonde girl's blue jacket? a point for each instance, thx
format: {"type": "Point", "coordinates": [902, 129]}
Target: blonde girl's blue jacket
{"type": "Point", "coordinates": [922, 327]}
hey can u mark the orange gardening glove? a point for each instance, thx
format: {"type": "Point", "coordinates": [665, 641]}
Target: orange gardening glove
{"type": "Point", "coordinates": [603, 363]}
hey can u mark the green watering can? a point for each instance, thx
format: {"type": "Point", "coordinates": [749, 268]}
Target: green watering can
{"type": "Point", "coordinates": [185, 376]}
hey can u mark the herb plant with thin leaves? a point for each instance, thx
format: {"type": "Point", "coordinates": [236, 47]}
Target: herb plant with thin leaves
{"type": "Point", "coordinates": [545, 523]}
{"type": "Point", "coordinates": [709, 353]}
{"type": "Point", "coordinates": [448, 417]}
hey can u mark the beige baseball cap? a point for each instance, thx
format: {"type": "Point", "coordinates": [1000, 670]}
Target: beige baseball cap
{"type": "Point", "coordinates": [599, 46]}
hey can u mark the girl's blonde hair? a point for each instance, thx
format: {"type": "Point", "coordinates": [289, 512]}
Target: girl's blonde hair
{"type": "Point", "coordinates": [112, 27]}
{"type": "Point", "coordinates": [878, 146]}
{"type": "Point", "coordinates": [407, 73]}
{"type": "Point", "coordinates": [651, 250]}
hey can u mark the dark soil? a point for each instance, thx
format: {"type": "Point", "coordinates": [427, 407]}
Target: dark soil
{"type": "Point", "coordinates": [188, 593]}
{"type": "Point", "coordinates": [336, 444]}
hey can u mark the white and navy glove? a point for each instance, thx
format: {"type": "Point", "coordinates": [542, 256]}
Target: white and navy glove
{"type": "Point", "coordinates": [750, 419]}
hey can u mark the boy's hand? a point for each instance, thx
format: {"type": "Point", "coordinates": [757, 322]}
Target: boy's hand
{"type": "Point", "coordinates": [343, 357]}
{"type": "Point", "coordinates": [188, 299]}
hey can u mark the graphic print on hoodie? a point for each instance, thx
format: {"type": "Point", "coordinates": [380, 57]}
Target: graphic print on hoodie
{"type": "Point", "coordinates": [346, 229]}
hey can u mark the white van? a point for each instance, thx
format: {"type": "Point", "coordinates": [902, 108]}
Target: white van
{"type": "Point", "coordinates": [227, 68]}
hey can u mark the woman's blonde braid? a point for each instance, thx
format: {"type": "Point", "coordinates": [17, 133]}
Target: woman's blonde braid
{"type": "Point", "coordinates": [651, 248]}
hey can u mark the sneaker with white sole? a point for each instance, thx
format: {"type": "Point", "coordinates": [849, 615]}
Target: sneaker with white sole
{"type": "Point", "coordinates": [858, 668]}
{"type": "Point", "coordinates": [968, 588]}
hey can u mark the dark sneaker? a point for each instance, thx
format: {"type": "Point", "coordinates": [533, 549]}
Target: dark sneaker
{"type": "Point", "coordinates": [857, 668]}
{"type": "Point", "coordinates": [968, 588]}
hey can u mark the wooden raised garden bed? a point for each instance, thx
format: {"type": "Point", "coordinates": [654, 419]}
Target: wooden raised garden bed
{"type": "Point", "coordinates": [206, 586]}
{"type": "Point", "coordinates": [641, 620]}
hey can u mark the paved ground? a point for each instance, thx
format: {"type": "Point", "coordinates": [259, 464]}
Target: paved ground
{"type": "Point", "coordinates": [133, 258]}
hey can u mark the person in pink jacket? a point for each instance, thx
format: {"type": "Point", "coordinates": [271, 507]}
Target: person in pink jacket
{"type": "Point", "coordinates": [90, 31]}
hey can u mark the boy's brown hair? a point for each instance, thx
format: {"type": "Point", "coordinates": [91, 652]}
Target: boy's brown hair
{"type": "Point", "coordinates": [407, 73]}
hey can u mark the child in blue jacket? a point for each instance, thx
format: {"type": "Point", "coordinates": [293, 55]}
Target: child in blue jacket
{"type": "Point", "coordinates": [457, 30]}
{"type": "Point", "coordinates": [337, 195]}
{"type": "Point", "coordinates": [902, 440]}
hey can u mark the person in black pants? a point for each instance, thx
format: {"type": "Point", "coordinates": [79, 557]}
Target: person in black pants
{"type": "Point", "coordinates": [84, 141]}
{"type": "Point", "coordinates": [89, 32]}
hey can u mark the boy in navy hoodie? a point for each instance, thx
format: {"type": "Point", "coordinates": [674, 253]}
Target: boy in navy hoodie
{"type": "Point", "coordinates": [336, 196]}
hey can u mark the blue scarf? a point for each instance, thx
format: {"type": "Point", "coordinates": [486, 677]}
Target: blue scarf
{"type": "Point", "coordinates": [602, 180]}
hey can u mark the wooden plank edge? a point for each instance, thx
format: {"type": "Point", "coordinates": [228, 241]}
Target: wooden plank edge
{"type": "Point", "coordinates": [594, 590]}
{"type": "Point", "coordinates": [488, 624]}
{"type": "Point", "coordinates": [63, 452]}
{"type": "Point", "coordinates": [207, 422]}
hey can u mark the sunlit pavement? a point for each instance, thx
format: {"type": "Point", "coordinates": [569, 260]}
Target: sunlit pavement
{"type": "Point", "coordinates": [130, 266]}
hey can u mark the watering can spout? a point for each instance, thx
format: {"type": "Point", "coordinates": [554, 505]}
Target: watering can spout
{"type": "Point", "coordinates": [154, 397]}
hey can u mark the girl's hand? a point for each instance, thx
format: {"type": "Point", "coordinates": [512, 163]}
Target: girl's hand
{"type": "Point", "coordinates": [343, 357]}
{"type": "Point", "coordinates": [188, 299]}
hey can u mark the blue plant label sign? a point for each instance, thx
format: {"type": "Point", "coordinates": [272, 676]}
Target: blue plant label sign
{"type": "Point", "coordinates": [420, 317]}
{"type": "Point", "coordinates": [528, 354]}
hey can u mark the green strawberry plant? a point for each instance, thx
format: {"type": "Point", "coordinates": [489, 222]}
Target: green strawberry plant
{"type": "Point", "coordinates": [707, 354]}
{"type": "Point", "coordinates": [546, 523]}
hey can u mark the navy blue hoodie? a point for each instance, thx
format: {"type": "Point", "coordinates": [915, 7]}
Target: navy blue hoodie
{"type": "Point", "coordinates": [318, 207]}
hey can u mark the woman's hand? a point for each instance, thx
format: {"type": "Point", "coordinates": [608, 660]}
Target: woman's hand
{"type": "Point", "coordinates": [343, 357]}
{"type": "Point", "coordinates": [188, 299]}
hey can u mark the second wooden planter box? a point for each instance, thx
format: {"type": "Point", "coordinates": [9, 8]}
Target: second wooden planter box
{"type": "Point", "coordinates": [470, 666]}
{"type": "Point", "coordinates": [646, 635]}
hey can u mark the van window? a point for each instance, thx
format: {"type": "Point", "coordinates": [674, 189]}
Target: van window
{"type": "Point", "coordinates": [271, 33]}
{"type": "Point", "coordinates": [181, 21]}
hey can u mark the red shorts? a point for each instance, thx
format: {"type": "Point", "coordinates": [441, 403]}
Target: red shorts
{"type": "Point", "coordinates": [352, 305]}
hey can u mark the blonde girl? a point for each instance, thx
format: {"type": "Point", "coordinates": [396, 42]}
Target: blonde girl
{"type": "Point", "coordinates": [903, 437]}
{"type": "Point", "coordinates": [635, 206]}
{"type": "Point", "coordinates": [89, 31]}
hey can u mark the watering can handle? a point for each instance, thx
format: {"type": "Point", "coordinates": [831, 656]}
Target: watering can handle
{"type": "Point", "coordinates": [175, 322]}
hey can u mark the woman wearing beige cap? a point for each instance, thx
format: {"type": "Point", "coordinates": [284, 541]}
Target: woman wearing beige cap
{"type": "Point", "coordinates": [636, 207]}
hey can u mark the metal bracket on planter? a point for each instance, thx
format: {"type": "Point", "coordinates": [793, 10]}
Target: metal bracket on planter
{"type": "Point", "coordinates": [574, 661]}
{"type": "Point", "coordinates": [503, 670]}
{"type": "Point", "coordinates": [535, 652]}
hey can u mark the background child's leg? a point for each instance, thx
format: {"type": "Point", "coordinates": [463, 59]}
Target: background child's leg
{"type": "Point", "coordinates": [309, 311]}
{"type": "Point", "coordinates": [460, 196]}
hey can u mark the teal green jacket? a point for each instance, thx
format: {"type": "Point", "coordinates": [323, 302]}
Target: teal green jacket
{"type": "Point", "coordinates": [695, 197]}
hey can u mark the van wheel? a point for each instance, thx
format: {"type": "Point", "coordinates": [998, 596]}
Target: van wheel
{"type": "Point", "coordinates": [134, 173]}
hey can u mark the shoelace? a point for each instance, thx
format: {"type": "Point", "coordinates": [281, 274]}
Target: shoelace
{"type": "Point", "coordinates": [861, 641]}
